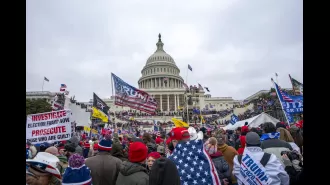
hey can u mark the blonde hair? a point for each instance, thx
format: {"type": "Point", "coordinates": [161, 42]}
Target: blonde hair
{"type": "Point", "coordinates": [213, 141]}
{"type": "Point", "coordinates": [285, 135]}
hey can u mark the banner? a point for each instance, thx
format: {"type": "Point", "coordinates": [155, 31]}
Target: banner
{"type": "Point", "coordinates": [290, 104]}
{"type": "Point", "coordinates": [251, 171]}
{"type": "Point", "coordinates": [94, 131]}
{"type": "Point", "coordinates": [127, 95]}
{"type": "Point", "coordinates": [48, 126]}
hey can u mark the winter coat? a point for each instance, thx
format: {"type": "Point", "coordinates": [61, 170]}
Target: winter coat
{"type": "Point", "coordinates": [104, 168]}
{"type": "Point", "coordinates": [222, 166]}
{"type": "Point", "coordinates": [132, 174]}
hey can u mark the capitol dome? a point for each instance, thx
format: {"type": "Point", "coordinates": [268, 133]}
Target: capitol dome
{"type": "Point", "coordinates": [160, 71]}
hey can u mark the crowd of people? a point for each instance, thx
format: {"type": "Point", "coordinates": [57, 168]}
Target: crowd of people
{"type": "Point", "coordinates": [147, 159]}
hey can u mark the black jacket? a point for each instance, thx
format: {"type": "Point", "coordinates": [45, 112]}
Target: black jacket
{"type": "Point", "coordinates": [222, 166]}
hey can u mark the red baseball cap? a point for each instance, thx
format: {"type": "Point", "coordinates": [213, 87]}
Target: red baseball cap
{"type": "Point", "coordinates": [179, 133]}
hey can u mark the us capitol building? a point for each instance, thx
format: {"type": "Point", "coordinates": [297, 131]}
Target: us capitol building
{"type": "Point", "coordinates": [161, 79]}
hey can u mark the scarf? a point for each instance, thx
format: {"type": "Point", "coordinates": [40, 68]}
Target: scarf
{"type": "Point", "coordinates": [266, 136]}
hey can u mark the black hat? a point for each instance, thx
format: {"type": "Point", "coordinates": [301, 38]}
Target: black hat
{"type": "Point", "coordinates": [252, 138]}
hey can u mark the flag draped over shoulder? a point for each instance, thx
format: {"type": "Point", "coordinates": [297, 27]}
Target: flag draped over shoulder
{"type": "Point", "coordinates": [127, 95]}
{"type": "Point", "coordinates": [194, 164]}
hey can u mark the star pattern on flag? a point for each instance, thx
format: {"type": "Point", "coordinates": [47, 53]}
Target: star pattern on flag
{"type": "Point", "coordinates": [193, 164]}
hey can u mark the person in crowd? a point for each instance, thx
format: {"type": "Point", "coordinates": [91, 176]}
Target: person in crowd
{"type": "Point", "coordinates": [294, 167]}
{"type": "Point", "coordinates": [104, 167]}
{"type": "Point", "coordinates": [148, 141]}
{"type": "Point", "coordinates": [77, 173]}
{"type": "Point", "coordinates": [74, 140]}
{"type": "Point", "coordinates": [43, 146]}
{"type": "Point", "coordinates": [33, 150]}
{"type": "Point", "coordinates": [164, 172]}
{"type": "Point", "coordinates": [241, 139]}
{"type": "Point", "coordinates": [177, 134]}
{"type": "Point", "coordinates": [228, 153]}
{"type": "Point", "coordinates": [271, 143]}
{"type": "Point", "coordinates": [133, 171]}
{"type": "Point", "coordinates": [161, 150]}
{"type": "Point", "coordinates": [63, 164]}
{"type": "Point", "coordinates": [297, 135]}
{"type": "Point", "coordinates": [237, 135]}
{"type": "Point", "coordinates": [86, 147]}
{"type": "Point", "coordinates": [69, 149]}
{"type": "Point", "coordinates": [95, 147]}
{"type": "Point", "coordinates": [42, 170]}
{"type": "Point", "coordinates": [218, 160]}
{"type": "Point", "coordinates": [211, 145]}
{"type": "Point", "coordinates": [152, 157]}
{"type": "Point", "coordinates": [230, 138]}
{"type": "Point", "coordinates": [117, 151]}
{"type": "Point", "coordinates": [28, 152]}
{"type": "Point", "coordinates": [286, 136]}
{"type": "Point", "coordinates": [273, 167]}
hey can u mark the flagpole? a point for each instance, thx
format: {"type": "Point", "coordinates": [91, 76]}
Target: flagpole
{"type": "Point", "coordinates": [276, 77]}
{"type": "Point", "coordinates": [187, 96]}
{"type": "Point", "coordinates": [43, 82]}
{"type": "Point", "coordinates": [111, 87]}
{"type": "Point", "coordinates": [281, 104]}
{"type": "Point", "coordinates": [294, 91]}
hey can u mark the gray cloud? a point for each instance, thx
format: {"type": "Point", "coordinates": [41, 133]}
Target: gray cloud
{"type": "Point", "coordinates": [234, 46]}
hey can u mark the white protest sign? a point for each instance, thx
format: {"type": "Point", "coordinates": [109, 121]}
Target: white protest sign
{"type": "Point", "coordinates": [48, 126]}
{"type": "Point", "coordinates": [251, 171]}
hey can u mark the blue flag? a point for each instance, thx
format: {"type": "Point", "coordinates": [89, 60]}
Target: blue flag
{"type": "Point", "coordinates": [194, 164]}
{"type": "Point", "coordinates": [290, 104]}
{"type": "Point", "coordinates": [234, 119]}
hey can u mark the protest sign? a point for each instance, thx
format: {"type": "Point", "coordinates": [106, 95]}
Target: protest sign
{"type": "Point", "coordinates": [251, 171]}
{"type": "Point", "coordinates": [48, 126]}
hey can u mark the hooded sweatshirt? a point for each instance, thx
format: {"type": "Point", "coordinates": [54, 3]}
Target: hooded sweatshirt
{"type": "Point", "coordinates": [75, 141]}
{"type": "Point", "coordinates": [132, 173]}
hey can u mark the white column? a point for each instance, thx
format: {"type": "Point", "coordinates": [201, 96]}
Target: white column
{"type": "Point", "coordinates": [168, 102]}
{"type": "Point", "coordinates": [159, 84]}
{"type": "Point", "coordinates": [175, 105]}
{"type": "Point", "coordinates": [161, 102]}
{"type": "Point", "coordinates": [178, 99]}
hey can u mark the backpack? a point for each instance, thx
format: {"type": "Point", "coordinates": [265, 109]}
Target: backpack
{"type": "Point", "coordinates": [264, 160]}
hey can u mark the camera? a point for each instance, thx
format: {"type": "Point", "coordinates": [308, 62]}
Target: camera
{"type": "Point", "coordinates": [291, 154]}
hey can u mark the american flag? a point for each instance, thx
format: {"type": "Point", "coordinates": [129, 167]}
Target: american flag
{"type": "Point", "coordinates": [127, 95]}
{"type": "Point", "coordinates": [185, 86]}
{"type": "Point", "coordinates": [189, 67]}
{"type": "Point", "coordinates": [63, 86]}
{"type": "Point", "coordinates": [194, 164]}
{"type": "Point", "coordinates": [284, 95]}
{"type": "Point", "coordinates": [165, 79]}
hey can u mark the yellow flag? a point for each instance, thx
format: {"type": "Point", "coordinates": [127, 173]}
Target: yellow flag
{"type": "Point", "coordinates": [94, 131]}
{"type": "Point", "coordinates": [100, 115]}
{"type": "Point", "coordinates": [179, 123]}
{"type": "Point", "coordinates": [87, 129]}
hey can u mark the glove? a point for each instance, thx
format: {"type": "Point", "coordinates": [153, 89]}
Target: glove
{"type": "Point", "coordinates": [286, 160]}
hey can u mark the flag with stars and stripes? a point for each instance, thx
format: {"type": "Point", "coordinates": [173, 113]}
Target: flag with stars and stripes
{"type": "Point", "coordinates": [194, 165]}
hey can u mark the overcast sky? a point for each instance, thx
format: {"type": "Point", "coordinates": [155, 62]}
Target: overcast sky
{"type": "Point", "coordinates": [233, 46]}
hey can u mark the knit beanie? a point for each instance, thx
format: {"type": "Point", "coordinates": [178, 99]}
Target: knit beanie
{"type": "Point", "coordinates": [137, 152]}
{"type": "Point", "coordinates": [77, 172]}
{"type": "Point", "coordinates": [105, 144]}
